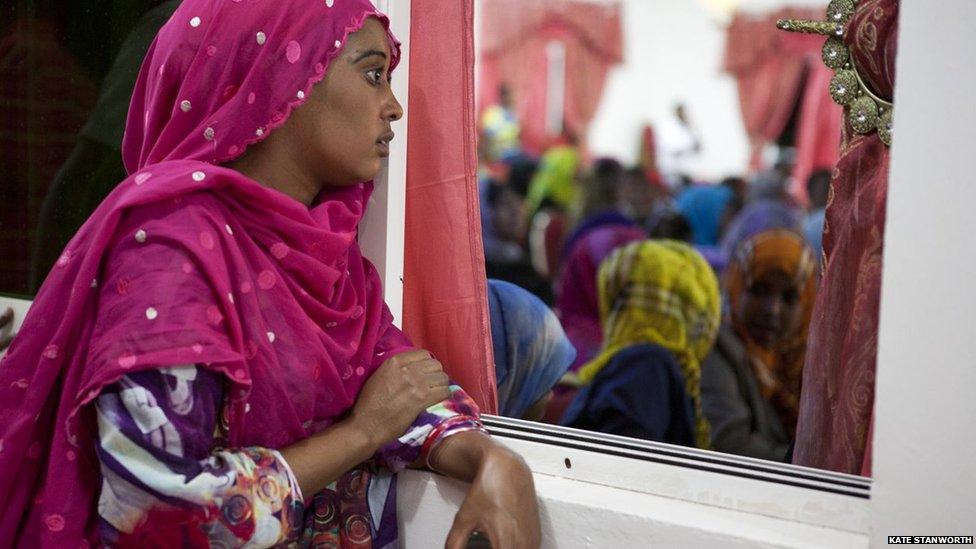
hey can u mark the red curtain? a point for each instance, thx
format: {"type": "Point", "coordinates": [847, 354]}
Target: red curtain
{"type": "Point", "coordinates": [445, 303]}
{"type": "Point", "coordinates": [775, 70]}
{"type": "Point", "coordinates": [818, 129]}
{"type": "Point", "coordinates": [514, 37]}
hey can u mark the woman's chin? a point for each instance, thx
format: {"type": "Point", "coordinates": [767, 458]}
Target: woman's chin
{"type": "Point", "coordinates": [369, 173]}
{"type": "Point", "coordinates": [366, 173]}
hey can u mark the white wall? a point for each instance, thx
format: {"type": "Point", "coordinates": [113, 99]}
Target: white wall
{"type": "Point", "coordinates": [925, 439]}
{"type": "Point", "coordinates": [673, 51]}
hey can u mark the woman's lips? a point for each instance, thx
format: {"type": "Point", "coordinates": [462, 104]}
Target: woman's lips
{"type": "Point", "coordinates": [764, 334]}
{"type": "Point", "coordinates": [383, 143]}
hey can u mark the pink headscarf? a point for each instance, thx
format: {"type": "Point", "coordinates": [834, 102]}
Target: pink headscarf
{"type": "Point", "coordinates": [189, 262]}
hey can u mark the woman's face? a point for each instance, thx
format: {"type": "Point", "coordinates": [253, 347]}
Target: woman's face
{"type": "Point", "coordinates": [344, 127]}
{"type": "Point", "coordinates": [636, 196]}
{"type": "Point", "coordinates": [509, 219]}
{"type": "Point", "coordinates": [770, 308]}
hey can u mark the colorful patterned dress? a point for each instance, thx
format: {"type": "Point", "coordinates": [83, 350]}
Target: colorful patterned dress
{"type": "Point", "coordinates": [168, 480]}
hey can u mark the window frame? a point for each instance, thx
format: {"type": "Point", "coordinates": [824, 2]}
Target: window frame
{"type": "Point", "coordinates": [381, 232]}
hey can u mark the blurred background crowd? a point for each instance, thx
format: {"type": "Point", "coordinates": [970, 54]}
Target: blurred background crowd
{"type": "Point", "coordinates": [673, 263]}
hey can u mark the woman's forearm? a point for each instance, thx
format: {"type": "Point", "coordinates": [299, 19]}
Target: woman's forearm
{"type": "Point", "coordinates": [323, 457]}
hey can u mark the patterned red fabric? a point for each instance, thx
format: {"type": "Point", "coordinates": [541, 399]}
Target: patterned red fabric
{"type": "Point", "coordinates": [514, 36]}
{"type": "Point", "coordinates": [445, 293]}
{"type": "Point", "coordinates": [837, 402]}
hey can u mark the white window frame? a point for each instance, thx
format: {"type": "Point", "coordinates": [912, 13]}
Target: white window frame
{"type": "Point", "coordinates": [381, 235]}
{"type": "Point", "coordinates": [924, 441]}
{"type": "Point", "coordinates": [621, 492]}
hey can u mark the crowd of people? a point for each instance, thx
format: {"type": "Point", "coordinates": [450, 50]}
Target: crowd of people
{"type": "Point", "coordinates": [663, 309]}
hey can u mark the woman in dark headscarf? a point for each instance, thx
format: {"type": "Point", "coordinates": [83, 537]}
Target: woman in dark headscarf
{"type": "Point", "coordinates": [751, 380]}
{"type": "Point", "coordinates": [531, 350]}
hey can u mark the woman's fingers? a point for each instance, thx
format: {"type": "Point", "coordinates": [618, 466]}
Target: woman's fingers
{"type": "Point", "coordinates": [442, 393]}
{"type": "Point", "coordinates": [500, 530]}
{"type": "Point", "coordinates": [430, 366]}
{"type": "Point", "coordinates": [498, 541]}
{"type": "Point", "coordinates": [409, 357]}
{"type": "Point", "coordinates": [437, 379]}
{"type": "Point", "coordinates": [461, 530]}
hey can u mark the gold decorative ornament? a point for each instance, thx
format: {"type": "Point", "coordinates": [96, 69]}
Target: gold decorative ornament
{"type": "Point", "coordinates": [865, 111]}
{"type": "Point", "coordinates": [843, 87]}
{"type": "Point", "coordinates": [863, 115]}
{"type": "Point", "coordinates": [835, 54]}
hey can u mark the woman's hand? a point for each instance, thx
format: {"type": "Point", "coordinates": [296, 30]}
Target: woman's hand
{"type": "Point", "coordinates": [393, 397]}
{"type": "Point", "coordinates": [501, 503]}
{"type": "Point", "coordinates": [6, 319]}
{"type": "Point", "coordinates": [397, 392]}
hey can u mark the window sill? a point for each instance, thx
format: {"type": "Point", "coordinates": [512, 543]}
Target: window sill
{"type": "Point", "coordinates": [660, 494]}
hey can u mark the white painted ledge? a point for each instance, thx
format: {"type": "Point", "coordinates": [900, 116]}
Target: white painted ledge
{"type": "Point", "coordinates": [603, 491]}
{"type": "Point", "coordinates": [581, 514]}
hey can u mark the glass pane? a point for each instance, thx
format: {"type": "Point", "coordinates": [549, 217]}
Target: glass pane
{"type": "Point", "coordinates": [674, 220]}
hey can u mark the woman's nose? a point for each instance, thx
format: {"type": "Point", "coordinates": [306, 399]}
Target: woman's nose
{"type": "Point", "coordinates": [775, 308]}
{"type": "Point", "coordinates": [394, 110]}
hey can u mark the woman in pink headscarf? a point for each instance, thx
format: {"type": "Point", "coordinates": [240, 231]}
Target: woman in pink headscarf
{"type": "Point", "coordinates": [211, 361]}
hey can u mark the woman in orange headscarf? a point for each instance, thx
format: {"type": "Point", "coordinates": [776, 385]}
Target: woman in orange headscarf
{"type": "Point", "coordinates": [751, 380]}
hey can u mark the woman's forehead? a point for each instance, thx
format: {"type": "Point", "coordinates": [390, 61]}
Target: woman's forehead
{"type": "Point", "coordinates": [372, 36]}
{"type": "Point", "coordinates": [775, 275]}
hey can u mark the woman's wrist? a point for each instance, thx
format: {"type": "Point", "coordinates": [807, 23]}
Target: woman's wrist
{"type": "Point", "coordinates": [464, 455]}
{"type": "Point", "coordinates": [373, 432]}
{"type": "Point", "coordinates": [325, 456]}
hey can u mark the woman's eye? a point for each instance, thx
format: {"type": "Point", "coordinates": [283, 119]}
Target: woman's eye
{"type": "Point", "coordinates": [375, 76]}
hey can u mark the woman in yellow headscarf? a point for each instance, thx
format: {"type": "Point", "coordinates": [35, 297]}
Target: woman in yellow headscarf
{"type": "Point", "coordinates": [660, 312]}
{"type": "Point", "coordinates": [751, 380]}
{"type": "Point", "coordinates": [552, 194]}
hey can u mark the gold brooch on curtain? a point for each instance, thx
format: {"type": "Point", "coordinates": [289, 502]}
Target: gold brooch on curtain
{"type": "Point", "coordinates": [865, 111]}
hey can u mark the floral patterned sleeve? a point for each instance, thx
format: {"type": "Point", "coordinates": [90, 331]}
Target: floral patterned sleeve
{"type": "Point", "coordinates": [163, 482]}
{"type": "Point", "coordinates": [457, 414]}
